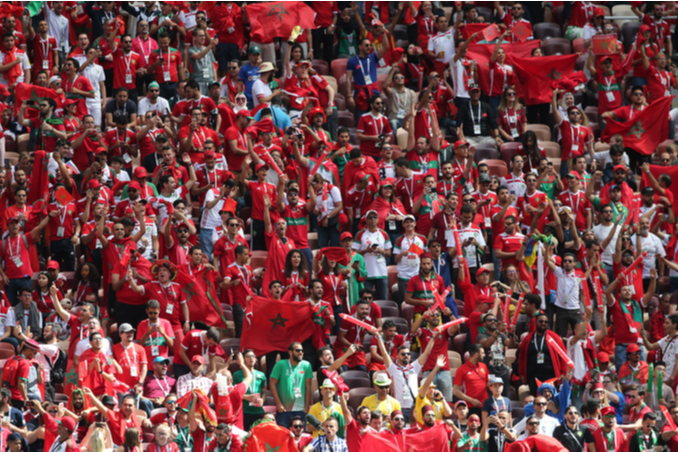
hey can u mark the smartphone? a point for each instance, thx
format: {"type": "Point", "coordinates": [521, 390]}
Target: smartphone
{"type": "Point", "coordinates": [7, 164]}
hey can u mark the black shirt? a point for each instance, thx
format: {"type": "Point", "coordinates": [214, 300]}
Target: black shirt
{"type": "Point", "coordinates": [477, 114]}
{"type": "Point", "coordinates": [127, 108]}
{"type": "Point", "coordinates": [572, 440]}
{"type": "Point", "coordinates": [534, 368]}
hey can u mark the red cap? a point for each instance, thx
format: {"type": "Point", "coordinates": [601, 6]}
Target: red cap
{"type": "Point", "coordinates": [317, 111]}
{"type": "Point", "coordinates": [644, 28]}
{"type": "Point", "coordinates": [460, 143]}
{"type": "Point", "coordinates": [619, 168]}
{"type": "Point", "coordinates": [572, 107]}
{"type": "Point", "coordinates": [345, 235]}
{"type": "Point", "coordinates": [632, 348]}
{"type": "Point", "coordinates": [573, 174]}
{"type": "Point", "coordinates": [198, 358]}
{"type": "Point", "coordinates": [597, 12]}
{"type": "Point", "coordinates": [140, 172]}
{"type": "Point", "coordinates": [134, 184]}
{"type": "Point", "coordinates": [100, 149]}
{"type": "Point", "coordinates": [70, 102]}
{"type": "Point", "coordinates": [483, 299]}
{"type": "Point", "coordinates": [260, 165]}
{"type": "Point", "coordinates": [426, 256]}
{"type": "Point", "coordinates": [607, 410]}
{"type": "Point", "coordinates": [597, 386]}
{"type": "Point", "coordinates": [210, 154]}
{"type": "Point", "coordinates": [481, 270]}
{"type": "Point", "coordinates": [68, 423]}
{"type": "Point", "coordinates": [4, 91]}
{"type": "Point", "coordinates": [13, 219]}
{"type": "Point", "coordinates": [603, 357]}
{"type": "Point", "coordinates": [388, 181]}
{"type": "Point", "coordinates": [244, 113]}
{"type": "Point", "coordinates": [52, 265]}
{"type": "Point", "coordinates": [93, 183]}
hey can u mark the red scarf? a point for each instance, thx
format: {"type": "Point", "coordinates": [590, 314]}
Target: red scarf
{"type": "Point", "coordinates": [15, 72]}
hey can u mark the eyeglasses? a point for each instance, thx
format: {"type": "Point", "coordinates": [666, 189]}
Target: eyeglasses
{"type": "Point", "coordinates": [298, 350]}
{"type": "Point", "coordinates": [399, 77]}
{"type": "Point", "coordinates": [531, 424]}
{"type": "Point", "coordinates": [372, 217]}
{"type": "Point", "coordinates": [666, 160]}
{"type": "Point", "coordinates": [435, 76]}
{"type": "Point", "coordinates": [540, 404]}
{"type": "Point", "coordinates": [399, 419]}
{"type": "Point", "coordinates": [298, 426]}
{"type": "Point", "coordinates": [510, 94]}
{"type": "Point", "coordinates": [233, 67]}
{"type": "Point", "coordinates": [153, 90]}
{"type": "Point", "coordinates": [637, 94]}
{"type": "Point", "coordinates": [573, 412]}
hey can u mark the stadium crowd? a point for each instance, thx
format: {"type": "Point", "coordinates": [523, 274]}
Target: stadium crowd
{"type": "Point", "coordinates": [338, 226]}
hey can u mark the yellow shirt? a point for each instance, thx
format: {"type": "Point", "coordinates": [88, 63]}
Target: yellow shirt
{"type": "Point", "coordinates": [385, 406]}
{"type": "Point", "coordinates": [420, 403]}
{"type": "Point", "coordinates": [323, 413]}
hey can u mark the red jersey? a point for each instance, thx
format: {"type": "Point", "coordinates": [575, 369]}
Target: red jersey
{"type": "Point", "coordinates": [194, 344]}
{"type": "Point", "coordinates": [132, 360]}
{"type": "Point", "coordinates": [170, 297]}
{"type": "Point", "coordinates": [661, 29]}
{"type": "Point", "coordinates": [83, 156]}
{"type": "Point", "coordinates": [63, 225]}
{"type": "Point", "coordinates": [258, 190]}
{"type": "Point", "coordinates": [508, 244]}
{"type": "Point", "coordinates": [659, 84]}
{"type": "Point", "coordinates": [444, 100]}
{"type": "Point", "coordinates": [125, 68]}
{"type": "Point", "coordinates": [439, 347]}
{"type": "Point", "coordinates": [574, 139]}
{"type": "Point", "coordinates": [501, 77]}
{"type": "Point", "coordinates": [184, 107]}
{"type": "Point", "coordinates": [579, 205]}
{"type": "Point", "coordinates": [97, 380]}
{"type": "Point", "coordinates": [512, 121]}
{"type": "Point", "coordinates": [372, 125]}
{"type": "Point", "coordinates": [498, 222]}
{"type": "Point", "coordinates": [473, 380]}
{"type": "Point", "coordinates": [235, 160]}
{"type": "Point", "coordinates": [17, 257]}
{"type": "Point", "coordinates": [83, 84]}
{"type": "Point", "coordinates": [609, 91]}
{"type": "Point", "coordinates": [410, 189]}
{"type": "Point", "coordinates": [238, 294]}
{"type": "Point", "coordinates": [155, 345]}
{"type": "Point", "coordinates": [297, 223]}
{"type": "Point", "coordinates": [113, 136]}
{"type": "Point", "coordinates": [43, 54]}
{"type": "Point", "coordinates": [168, 70]}
{"type": "Point", "coordinates": [534, 200]}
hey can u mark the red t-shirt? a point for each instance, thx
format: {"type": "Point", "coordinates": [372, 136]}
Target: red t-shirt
{"type": "Point", "coordinates": [238, 294]}
{"type": "Point", "coordinates": [473, 380]}
{"type": "Point", "coordinates": [578, 203]}
{"type": "Point", "coordinates": [167, 71]}
{"type": "Point", "coordinates": [659, 84]}
{"type": "Point", "coordinates": [83, 156]}
{"type": "Point", "coordinates": [98, 381]}
{"type": "Point", "coordinates": [155, 340]}
{"type": "Point", "coordinates": [113, 137]}
{"type": "Point", "coordinates": [17, 367]}
{"type": "Point", "coordinates": [234, 133]}
{"type": "Point", "coordinates": [17, 257]}
{"type": "Point", "coordinates": [608, 83]}
{"type": "Point", "coordinates": [371, 126]}
{"type": "Point", "coordinates": [258, 190]}
{"type": "Point", "coordinates": [43, 53]}
{"type": "Point", "coordinates": [131, 360]}
{"type": "Point", "coordinates": [125, 68]}
{"type": "Point", "coordinates": [83, 84]}
{"type": "Point", "coordinates": [194, 344]}
{"type": "Point", "coordinates": [439, 347]}
{"type": "Point", "coordinates": [498, 223]}
{"type": "Point", "coordinates": [509, 244]}
{"type": "Point", "coordinates": [184, 107]}
{"type": "Point", "coordinates": [170, 298]}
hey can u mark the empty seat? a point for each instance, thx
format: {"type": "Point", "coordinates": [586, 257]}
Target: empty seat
{"type": "Point", "coordinates": [340, 101]}
{"type": "Point", "coordinates": [547, 30]}
{"type": "Point", "coordinates": [542, 131]}
{"type": "Point", "coordinates": [484, 152]}
{"type": "Point", "coordinates": [346, 119]}
{"type": "Point", "coordinates": [389, 311]}
{"type": "Point", "coordinates": [629, 31]}
{"type": "Point", "coordinates": [358, 382]}
{"type": "Point", "coordinates": [556, 46]}
{"type": "Point", "coordinates": [385, 303]}
{"type": "Point", "coordinates": [357, 395]}
{"type": "Point", "coordinates": [579, 46]}
{"type": "Point", "coordinates": [339, 67]}
{"type": "Point", "coordinates": [321, 67]}
{"type": "Point", "coordinates": [497, 167]}
{"type": "Point", "coordinates": [231, 344]}
{"type": "Point", "coordinates": [508, 150]}
{"type": "Point", "coordinates": [558, 15]}
{"type": "Point", "coordinates": [407, 312]}
{"type": "Point", "coordinates": [551, 148]}
{"type": "Point", "coordinates": [355, 374]}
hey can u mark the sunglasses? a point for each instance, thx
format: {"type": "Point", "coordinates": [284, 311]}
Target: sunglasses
{"type": "Point", "coordinates": [399, 419]}
{"type": "Point", "coordinates": [568, 261]}
{"type": "Point", "coordinates": [666, 160]}
{"type": "Point", "coordinates": [298, 426]}
{"type": "Point", "coordinates": [532, 423]}
{"type": "Point", "coordinates": [540, 404]}
{"type": "Point", "coordinates": [372, 218]}
{"type": "Point", "coordinates": [573, 412]}
{"type": "Point", "coordinates": [298, 350]}
{"type": "Point", "coordinates": [170, 402]}
{"type": "Point", "coordinates": [510, 94]}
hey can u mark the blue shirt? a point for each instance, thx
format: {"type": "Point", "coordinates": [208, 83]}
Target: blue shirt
{"type": "Point", "coordinates": [442, 267]}
{"type": "Point", "coordinates": [362, 67]}
{"type": "Point", "coordinates": [248, 75]}
{"type": "Point", "coordinates": [280, 118]}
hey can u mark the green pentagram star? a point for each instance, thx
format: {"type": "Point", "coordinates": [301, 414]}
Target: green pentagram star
{"type": "Point", "coordinates": [278, 321]}
{"type": "Point", "coordinates": [604, 45]}
{"type": "Point", "coordinates": [272, 449]}
{"type": "Point", "coordinates": [277, 9]}
{"type": "Point", "coordinates": [636, 130]}
{"type": "Point", "coordinates": [71, 377]}
{"type": "Point", "coordinates": [188, 290]}
{"type": "Point", "coordinates": [555, 75]}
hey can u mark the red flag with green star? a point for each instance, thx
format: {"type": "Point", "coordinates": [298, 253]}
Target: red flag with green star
{"type": "Point", "coordinates": [538, 74]}
{"type": "Point", "coordinates": [277, 19]}
{"type": "Point", "coordinates": [33, 93]}
{"type": "Point", "coordinates": [200, 287]}
{"type": "Point", "coordinates": [272, 325]}
{"type": "Point", "coordinates": [269, 437]}
{"type": "Point", "coordinates": [645, 130]}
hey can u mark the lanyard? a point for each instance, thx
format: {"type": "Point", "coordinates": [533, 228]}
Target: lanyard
{"type": "Point", "coordinates": [168, 58]}
{"type": "Point", "coordinates": [44, 45]}
{"type": "Point", "coordinates": [120, 249]}
{"type": "Point", "coordinates": [428, 23]}
{"type": "Point", "coordinates": [128, 62]}
{"type": "Point", "coordinates": [296, 379]}
{"type": "Point", "coordinates": [541, 347]}
{"type": "Point", "coordinates": [199, 143]}
{"type": "Point", "coordinates": [184, 437]}
{"type": "Point", "coordinates": [408, 189]}
{"type": "Point", "coordinates": [611, 440]}
{"type": "Point", "coordinates": [574, 128]}
{"type": "Point", "coordinates": [365, 76]}
{"type": "Point", "coordinates": [245, 278]}
{"type": "Point", "coordinates": [18, 244]}
{"type": "Point", "coordinates": [143, 52]}
{"type": "Point", "coordinates": [608, 83]}
{"type": "Point", "coordinates": [164, 379]}
{"type": "Point", "coordinates": [335, 283]}
{"type": "Point", "coordinates": [134, 355]}
{"type": "Point", "coordinates": [69, 83]}
{"type": "Point", "coordinates": [169, 292]}
{"type": "Point", "coordinates": [575, 209]}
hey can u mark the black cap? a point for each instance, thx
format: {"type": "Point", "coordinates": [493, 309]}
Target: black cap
{"type": "Point", "coordinates": [647, 191]}
{"type": "Point", "coordinates": [107, 400]}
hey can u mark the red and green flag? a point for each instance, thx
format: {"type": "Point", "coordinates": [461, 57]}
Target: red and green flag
{"type": "Point", "coordinates": [200, 288]}
{"type": "Point", "coordinates": [537, 75]}
{"type": "Point", "coordinates": [269, 437]}
{"type": "Point", "coordinates": [35, 94]}
{"type": "Point", "coordinates": [646, 130]}
{"type": "Point", "coordinates": [63, 196]}
{"type": "Point", "coordinates": [272, 325]}
{"type": "Point", "coordinates": [39, 179]}
{"type": "Point", "coordinates": [435, 438]}
{"type": "Point", "coordinates": [277, 19]}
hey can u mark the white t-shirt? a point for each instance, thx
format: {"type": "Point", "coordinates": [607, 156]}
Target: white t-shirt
{"type": "Point", "coordinates": [83, 345]}
{"type": "Point", "coordinates": [669, 349]}
{"type": "Point", "coordinates": [653, 246]}
{"type": "Point", "coordinates": [601, 232]}
{"type": "Point", "coordinates": [161, 106]}
{"type": "Point", "coordinates": [468, 232]}
{"type": "Point", "coordinates": [408, 267]}
{"type": "Point", "coordinates": [58, 27]}
{"type": "Point", "coordinates": [443, 42]}
{"type": "Point", "coordinates": [211, 218]}
{"type": "Point", "coordinates": [260, 90]}
{"type": "Point", "coordinates": [458, 79]}
{"type": "Point", "coordinates": [46, 357]}
{"type": "Point", "coordinates": [25, 65]}
{"type": "Point", "coordinates": [402, 394]}
{"type": "Point", "coordinates": [95, 74]}
{"type": "Point", "coordinates": [569, 285]}
{"type": "Point", "coordinates": [147, 239]}
{"type": "Point", "coordinates": [327, 206]}
{"type": "Point", "coordinates": [374, 264]}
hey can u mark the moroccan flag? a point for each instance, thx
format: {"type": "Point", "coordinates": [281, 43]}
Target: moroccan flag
{"type": "Point", "coordinates": [63, 196]}
{"type": "Point", "coordinates": [435, 438]}
{"type": "Point", "coordinates": [571, 82]}
{"type": "Point", "coordinates": [203, 407]}
{"type": "Point", "coordinates": [24, 91]}
{"type": "Point", "coordinates": [7, 9]}
{"type": "Point", "coordinates": [200, 288]}
{"type": "Point", "coordinates": [521, 31]}
{"type": "Point", "coordinates": [604, 44]}
{"type": "Point", "coordinates": [537, 74]}
{"type": "Point", "coordinates": [416, 250]}
{"type": "Point", "coordinates": [276, 19]}
{"type": "Point", "coordinates": [39, 178]}
{"type": "Point", "coordinates": [265, 125]}
{"type": "Point", "coordinates": [268, 436]}
{"type": "Point", "coordinates": [490, 33]}
{"type": "Point", "coordinates": [645, 130]}
{"type": "Point", "coordinates": [272, 325]}
{"type": "Point", "coordinates": [482, 53]}
{"type": "Point", "coordinates": [537, 443]}
{"type": "Point", "coordinates": [468, 29]}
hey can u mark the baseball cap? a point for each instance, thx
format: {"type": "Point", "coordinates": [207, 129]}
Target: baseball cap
{"type": "Point", "coordinates": [597, 12]}
{"type": "Point", "coordinates": [13, 219]}
{"type": "Point", "coordinates": [254, 49]}
{"type": "Point", "coordinates": [210, 154]}
{"type": "Point", "coordinates": [93, 183]}
{"type": "Point", "coordinates": [198, 358]}
{"type": "Point", "coordinates": [494, 380]}
{"type": "Point", "coordinates": [70, 102]}
{"type": "Point", "coordinates": [140, 171]}
{"type": "Point", "coordinates": [371, 211]}
{"type": "Point", "coordinates": [409, 217]}
{"type": "Point", "coordinates": [345, 236]}
{"type": "Point", "coordinates": [153, 84]}
{"type": "Point", "coordinates": [647, 191]}
{"type": "Point", "coordinates": [52, 265]}
{"type": "Point", "coordinates": [607, 411]}
{"type": "Point", "coordinates": [460, 402]}
{"type": "Point", "coordinates": [619, 168]}
{"type": "Point", "coordinates": [125, 328]}
{"type": "Point", "coordinates": [214, 82]}
{"type": "Point", "coordinates": [484, 178]}
{"type": "Point", "coordinates": [388, 181]}
{"type": "Point", "coordinates": [161, 359]}
{"type": "Point", "coordinates": [632, 348]}
{"type": "Point", "coordinates": [460, 143]}
{"type": "Point", "coordinates": [615, 187]}
{"type": "Point", "coordinates": [603, 357]}
{"type": "Point", "coordinates": [573, 174]}
{"type": "Point", "coordinates": [68, 423]}
{"type": "Point", "coordinates": [100, 150]}
{"type": "Point", "coordinates": [481, 270]}
{"type": "Point", "coordinates": [244, 113]}
{"type": "Point", "coordinates": [260, 165]}
{"type": "Point", "coordinates": [644, 28]}
{"type": "Point", "coordinates": [483, 299]}
{"type": "Point", "coordinates": [4, 91]}
{"type": "Point", "coordinates": [474, 88]}
{"type": "Point", "coordinates": [107, 400]}
{"type": "Point", "coordinates": [134, 184]}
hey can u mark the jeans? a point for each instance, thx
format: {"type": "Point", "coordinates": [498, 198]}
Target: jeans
{"type": "Point", "coordinates": [639, 81]}
{"type": "Point", "coordinates": [396, 124]}
{"type": "Point", "coordinates": [379, 286]}
{"type": "Point", "coordinates": [285, 419]}
{"type": "Point", "coordinates": [309, 256]}
{"type": "Point", "coordinates": [494, 102]}
{"type": "Point", "coordinates": [332, 124]}
{"type": "Point", "coordinates": [168, 89]}
{"type": "Point", "coordinates": [12, 290]}
{"type": "Point", "coordinates": [226, 52]}
{"type": "Point", "coordinates": [328, 236]}
{"type": "Point", "coordinates": [63, 252]}
{"type": "Point", "coordinates": [337, 319]}
{"type": "Point", "coordinates": [620, 354]}
{"type": "Point", "coordinates": [443, 382]}
{"type": "Point", "coordinates": [206, 242]}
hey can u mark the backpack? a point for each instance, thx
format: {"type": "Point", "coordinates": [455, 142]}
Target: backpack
{"type": "Point", "coordinates": [10, 374]}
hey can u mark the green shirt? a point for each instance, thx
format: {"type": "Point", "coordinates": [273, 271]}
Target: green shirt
{"type": "Point", "coordinates": [256, 387]}
{"type": "Point", "coordinates": [548, 186]}
{"type": "Point", "coordinates": [617, 209]}
{"type": "Point", "coordinates": [184, 438]}
{"type": "Point", "coordinates": [290, 377]}
{"type": "Point", "coordinates": [475, 444]}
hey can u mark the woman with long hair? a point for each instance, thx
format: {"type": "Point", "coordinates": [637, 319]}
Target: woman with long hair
{"type": "Point", "coordinates": [296, 276]}
{"type": "Point", "coordinates": [577, 138]}
{"type": "Point", "coordinates": [511, 116]}
{"type": "Point", "coordinates": [132, 441]}
{"type": "Point", "coordinates": [87, 281]}
{"type": "Point", "coordinates": [293, 55]}
{"type": "Point", "coordinates": [501, 74]}
{"type": "Point", "coordinates": [389, 209]}
{"type": "Point", "coordinates": [334, 288]}
{"type": "Point", "coordinates": [41, 296]}
{"type": "Point", "coordinates": [531, 150]}
{"type": "Point", "coordinates": [512, 278]}
{"type": "Point", "coordinates": [71, 121]}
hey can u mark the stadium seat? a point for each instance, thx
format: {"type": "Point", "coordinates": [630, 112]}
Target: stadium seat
{"type": "Point", "coordinates": [341, 87]}
{"type": "Point", "coordinates": [230, 344]}
{"type": "Point", "coordinates": [484, 152]}
{"type": "Point", "coordinates": [486, 13]}
{"type": "Point", "coordinates": [332, 82]}
{"type": "Point", "coordinates": [355, 374]}
{"type": "Point", "coordinates": [401, 324]}
{"type": "Point", "coordinates": [389, 311]}
{"type": "Point", "coordinates": [497, 167]}
{"type": "Point", "coordinates": [6, 350]}
{"type": "Point", "coordinates": [591, 113]}
{"type": "Point", "coordinates": [357, 382]}
{"type": "Point", "coordinates": [407, 313]}
{"type": "Point", "coordinates": [629, 31]}
{"type": "Point", "coordinates": [508, 150]}
{"type": "Point", "coordinates": [460, 344]}
{"type": "Point", "coordinates": [257, 262]}
{"type": "Point", "coordinates": [579, 46]}
{"type": "Point", "coordinates": [579, 65]}
{"type": "Point", "coordinates": [357, 395]}
{"type": "Point", "coordinates": [556, 46]}
{"type": "Point", "coordinates": [542, 131]}
{"type": "Point", "coordinates": [339, 67]}
{"type": "Point", "coordinates": [392, 272]}
{"type": "Point", "coordinates": [623, 10]}
{"type": "Point", "coordinates": [545, 30]}
{"type": "Point", "coordinates": [340, 101]}
{"type": "Point", "coordinates": [551, 147]}
{"type": "Point", "coordinates": [321, 67]}
{"type": "Point", "coordinates": [386, 303]}
{"type": "Point", "coordinates": [346, 119]}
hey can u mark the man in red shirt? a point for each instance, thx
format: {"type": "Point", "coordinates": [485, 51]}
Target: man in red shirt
{"type": "Point", "coordinates": [258, 190]}
{"type": "Point", "coordinates": [182, 110]}
{"type": "Point", "coordinates": [118, 421]}
{"type": "Point", "coordinates": [15, 372]}
{"type": "Point", "coordinates": [238, 283]}
{"type": "Point", "coordinates": [196, 342]}
{"type": "Point", "coordinates": [77, 86]}
{"type": "Point", "coordinates": [236, 142]}
{"type": "Point", "coordinates": [575, 199]}
{"type": "Point", "coordinates": [45, 50]}
{"type": "Point", "coordinates": [373, 128]}
{"type": "Point", "coordinates": [99, 366]}
{"type": "Point", "coordinates": [227, 20]}
{"type": "Point", "coordinates": [85, 143]}
{"type": "Point", "coordinates": [131, 358]}
{"type": "Point", "coordinates": [507, 244]}
{"type": "Point", "coordinates": [166, 62]}
{"type": "Point", "coordinates": [155, 334]}
{"type": "Point", "coordinates": [122, 141]}
{"type": "Point", "coordinates": [419, 292]}
{"type": "Point", "coordinates": [193, 136]}
{"type": "Point", "coordinates": [277, 244]}
{"type": "Point", "coordinates": [126, 65]}
{"type": "Point", "coordinates": [64, 234]}
{"type": "Point", "coordinates": [470, 380]}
